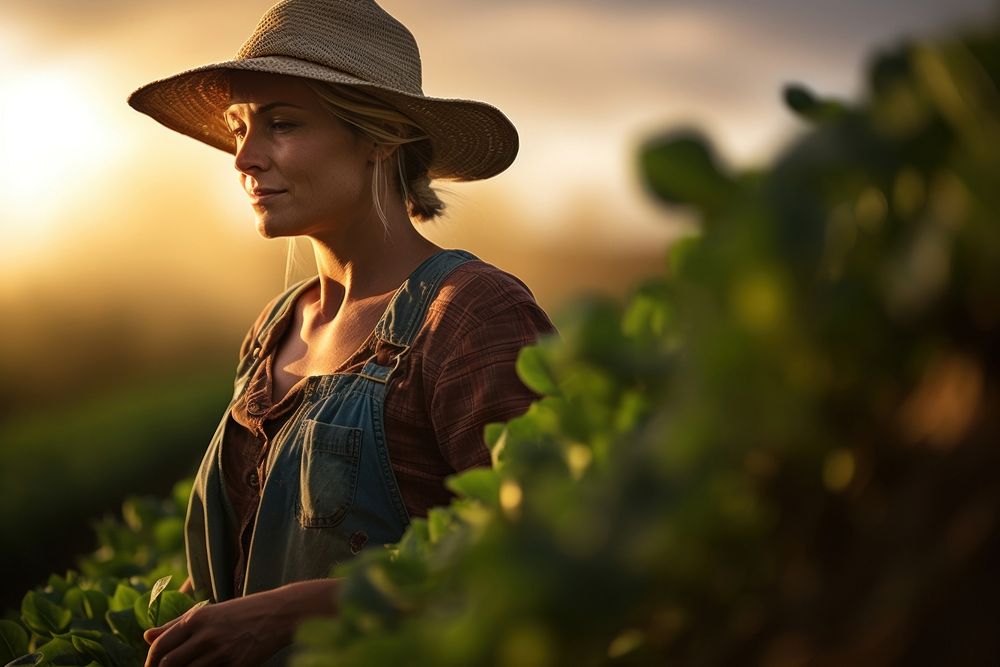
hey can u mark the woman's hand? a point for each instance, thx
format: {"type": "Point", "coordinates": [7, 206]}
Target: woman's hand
{"type": "Point", "coordinates": [235, 632]}
{"type": "Point", "coordinates": [242, 631]}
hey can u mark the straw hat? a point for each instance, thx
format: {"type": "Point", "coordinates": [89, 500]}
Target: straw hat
{"type": "Point", "coordinates": [352, 42]}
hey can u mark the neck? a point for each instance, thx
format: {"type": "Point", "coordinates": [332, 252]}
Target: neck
{"type": "Point", "coordinates": [367, 260]}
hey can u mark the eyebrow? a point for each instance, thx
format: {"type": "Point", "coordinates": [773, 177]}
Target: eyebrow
{"type": "Point", "coordinates": [273, 105]}
{"type": "Point", "coordinates": [268, 107]}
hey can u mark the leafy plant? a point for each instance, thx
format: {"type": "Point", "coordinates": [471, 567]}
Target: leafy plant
{"type": "Point", "coordinates": [780, 452]}
{"type": "Point", "coordinates": [98, 617]}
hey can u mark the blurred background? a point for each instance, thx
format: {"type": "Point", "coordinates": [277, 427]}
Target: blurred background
{"type": "Point", "coordinates": [130, 268]}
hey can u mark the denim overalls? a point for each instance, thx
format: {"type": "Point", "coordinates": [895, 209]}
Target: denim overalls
{"type": "Point", "coordinates": [329, 488]}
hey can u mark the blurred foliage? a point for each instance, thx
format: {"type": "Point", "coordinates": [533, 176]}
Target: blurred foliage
{"type": "Point", "coordinates": [98, 617]}
{"type": "Point", "coordinates": [780, 453]}
{"type": "Point", "coordinates": [61, 471]}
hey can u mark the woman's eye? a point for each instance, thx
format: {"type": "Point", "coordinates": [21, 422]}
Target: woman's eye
{"type": "Point", "coordinates": [281, 126]}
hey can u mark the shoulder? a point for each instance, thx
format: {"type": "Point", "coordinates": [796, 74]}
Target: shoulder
{"type": "Point", "coordinates": [480, 312]}
{"type": "Point", "coordinates": [477, 292]}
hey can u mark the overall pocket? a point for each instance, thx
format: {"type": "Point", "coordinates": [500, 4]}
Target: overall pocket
{"type": "Point", "coordinates": [328, 473]}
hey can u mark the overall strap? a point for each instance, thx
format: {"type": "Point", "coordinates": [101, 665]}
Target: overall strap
{"type": "Point", "coordinates": [406, 311]}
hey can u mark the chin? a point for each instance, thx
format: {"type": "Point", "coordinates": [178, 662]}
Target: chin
{"type": "Point", "coordinates": [268, 229]}
{"type": "Point", "coordinates": [263, 230]}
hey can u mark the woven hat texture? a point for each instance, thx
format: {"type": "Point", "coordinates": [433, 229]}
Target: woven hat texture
{"type": "Point", "coordinates": [352, 42]}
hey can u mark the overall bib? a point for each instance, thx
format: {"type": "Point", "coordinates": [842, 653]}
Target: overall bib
{"type": "Point", "coordinates": [329, 488]}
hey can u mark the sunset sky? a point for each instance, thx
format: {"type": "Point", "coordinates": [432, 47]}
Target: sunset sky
{"type": "Point", "coordinates": [99, 204]}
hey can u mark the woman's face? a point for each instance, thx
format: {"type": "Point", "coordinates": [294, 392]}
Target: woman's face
{"type": "Point", "coordinates": [303, 169]}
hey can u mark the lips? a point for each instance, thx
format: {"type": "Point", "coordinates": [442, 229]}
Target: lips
{"type": "Point", "coordinates": [262, 195]}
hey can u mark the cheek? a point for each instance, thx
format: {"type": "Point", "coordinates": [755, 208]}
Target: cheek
{"type": "Point", "coordinates": [340, 179]}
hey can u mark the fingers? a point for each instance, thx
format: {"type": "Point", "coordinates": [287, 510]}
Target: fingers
{"type": "Point", "coordinates": [151, 634]}
{"type": "Point", "coordinates": [231, 632]}
{"type": "Point", "coordinates": [167, 637]}
{"type": "Point", "coordinates": [189, 653]}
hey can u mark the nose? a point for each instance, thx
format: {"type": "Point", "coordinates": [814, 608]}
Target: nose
{"type": "Point", "coordinates": [251, 155]}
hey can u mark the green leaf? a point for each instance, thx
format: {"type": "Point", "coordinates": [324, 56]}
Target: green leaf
{"type": "Point", "coordinates": [172, 605]}
{"type": "Point", "coordinates": [140, 513]}
{"type": "Point", "coordinates": [646, 317]}
{"type": "Point", "coordinates": [681, 168]}
{"type": "Point", "coordinates": [181, 494]}
{"type": "Point", "coordinates": [158, 587]}
{"type": "Point", "coordinates": [168, 534]}
{"type": "Point", "coordinates": [680, 253]}
{"type": "Point", "coordinates": [105, 585]}
{"type": "Point", "coordinates": [91, 648]}
{"type": "Point", "coordinates": [59, 651]}
{"type": "Point", "coordinates": [88, 624]}
{"type": "Point", "coordinates": [13, 641]}
{"type": "Point", "coordinates": [496, 439]}
{"type": "Point", "coordinates": [120, 653]}
{"type": "Point", "coordinates": [533, 370]}
{"type": "Point", "coordinates": [58, 585]}
{"type": "Point", "coordinates": [802, 101]}
{"type": "Point", "coordinates": [439, 523]}
{"type": "Point", "coordinates": [415, 539]}
{"type": "Point", "coordinates": [124, 598]}
{"type": "Point", "coordinates": [29, 659]}
{"type": "Point", "coordinates": [154, 599]}
{"type": "Point", "coordinates": [492, 433]}
{"type": "Point", "coordinates": [44, 616]}
{"type": "Point", "coordinates": [123, 624]}
{"type": "Point", "coordinates": [88, 604]}
{"type": "Point", "coordinates": [141, 611]}
{"type": "Point", "coordinates": [483, 484]}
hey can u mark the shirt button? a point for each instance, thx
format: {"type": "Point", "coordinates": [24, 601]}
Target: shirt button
{"type": "Point", "coordinates": [256, 352]}
{"type": "Point", "coordinates": [253, 406]}
{"type": "Point", "coordinates": [252, 479]}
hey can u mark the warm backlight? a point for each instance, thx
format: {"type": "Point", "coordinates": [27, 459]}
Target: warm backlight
{"type": "Point", "coordinates": [56, 143]}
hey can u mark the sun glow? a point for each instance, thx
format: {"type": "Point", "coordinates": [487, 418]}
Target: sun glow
{"type": "Point", "coordinates": [56, 144]}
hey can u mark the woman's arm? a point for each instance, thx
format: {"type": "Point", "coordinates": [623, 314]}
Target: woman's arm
{"type": "Point", "coordinates": [477, 381]}
{"type": "Point", "coordinates": [243, 631]}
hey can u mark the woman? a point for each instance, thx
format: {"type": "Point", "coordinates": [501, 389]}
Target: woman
{"type": "Point", "coordinates": [357, 391]}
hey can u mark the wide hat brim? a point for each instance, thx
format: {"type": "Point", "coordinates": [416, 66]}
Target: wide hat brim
{"type": "Point", "coordinates": [471, 140]}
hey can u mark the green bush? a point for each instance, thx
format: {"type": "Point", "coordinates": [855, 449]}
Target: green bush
{"type": "Point", "coordinates": [782, 452]}
{"type": "Point", "coordinates": [99, 617]}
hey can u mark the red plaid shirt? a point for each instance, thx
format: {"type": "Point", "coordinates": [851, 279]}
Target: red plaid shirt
{"type": "Point", "coordinates": [457, 377]}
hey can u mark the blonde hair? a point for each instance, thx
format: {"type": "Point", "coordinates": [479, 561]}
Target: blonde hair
{"type": "Point", "coordinates": [390, 128]}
